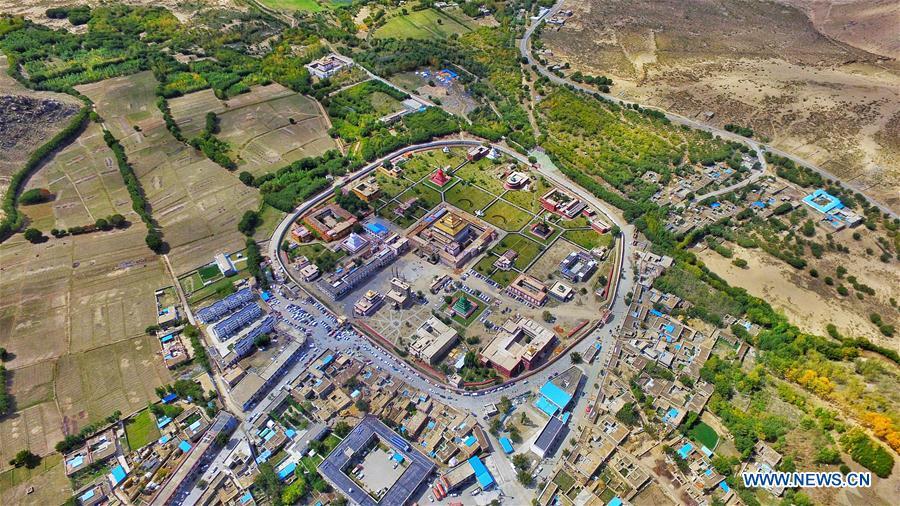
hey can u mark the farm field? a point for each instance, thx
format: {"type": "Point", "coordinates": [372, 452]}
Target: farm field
{"type": "Point", "coordinates": [267, 128]}
{"type": "Point", "coordinates": [141, 430]}
{"type": "Point", "coordinates": [48, 481]}
{"type": "Point", "coordinates": [295, 5]}
{"type": "Point", "coordinates": [74, 310]}
{"type": "Point", "coordinates": [424, 24]}
{"type": "Point", "coordinates": [196, 202]}
{"type": "Point", "coordinates": [86, 184]}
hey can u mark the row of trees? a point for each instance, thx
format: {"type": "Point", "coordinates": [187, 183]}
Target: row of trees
{"type": "Point", "coordinates": [139, 203]}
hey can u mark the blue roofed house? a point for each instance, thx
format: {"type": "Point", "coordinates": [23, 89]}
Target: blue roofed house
{"type": "Point", "coordinates": [485, 480]}
{"type": "Point", "coordinates": [557, 393]}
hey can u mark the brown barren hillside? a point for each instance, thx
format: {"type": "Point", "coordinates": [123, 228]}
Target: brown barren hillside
{"type": "Point", "coordinates": [754, 63]}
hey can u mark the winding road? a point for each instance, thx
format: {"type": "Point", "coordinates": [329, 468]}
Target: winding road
{"type": "Point", "coordinates": [525, 44]}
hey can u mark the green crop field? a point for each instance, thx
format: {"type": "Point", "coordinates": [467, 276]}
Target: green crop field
{"type": "Point", "coordinates": [705, 435]}
{"type": "Point", "coordinates": [424, 24]}
{"type": "Point", "coordinates": [209, 272]}
{"type": "Point", "coordinates": [141, 430]}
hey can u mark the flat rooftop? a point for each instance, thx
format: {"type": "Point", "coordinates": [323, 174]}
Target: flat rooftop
{"type": "Point", "coordinates": [418, 470]}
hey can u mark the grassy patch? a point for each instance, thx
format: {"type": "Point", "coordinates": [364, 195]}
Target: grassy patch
{"type": "Point", "coordinates": [527, 249]}
{"type": "Point", "coordinates": [504, 278]}
{"type": "Point", "coordinates": [564, 481]}
{"type": "Point", "coordinates": [220, 288]}
{"type": "Point", "coordinates": [705, 435]}
{"type": "Point", "coordinates": [391, 187]}
{"type": "Point", "coordinates": [294, 5]}
{"type": "Point", "coordinates": [467, 197]}
{"type": "Point", "coordinates": [588, 239]}
{"type": "Point", "coordinates": [430, 197]}
{"type": "Point", "coordinates": [484, 174]}
{"type": "Point", "coordinates": [505, 216]}
{"type": "Point", "coordinates": [141, 430]}
{"type": "Point", "coordinates": [17, 475]}
{"type": "Point", "coordinates": [209, 272]}
{"type": "Point", "coordinates": [485, 265]}
{"type": "Point", "coordinates": [424, 24]}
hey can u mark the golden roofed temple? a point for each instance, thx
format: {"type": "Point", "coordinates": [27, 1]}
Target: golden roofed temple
{"type": "Point", "coordinates": [451, 224]}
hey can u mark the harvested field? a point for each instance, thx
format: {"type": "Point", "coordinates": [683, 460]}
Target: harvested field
{"type": "Point", "coordinates": [86, 184]}
{"type": "Point", "coordinates": [48, 483]}
{"type": "Point", "coordinates": [424, 24]}
{"type": "Point", "coordinates": [258, 125]}
{"type": "Point", "coordinates": [196, 202]}
{"type": "Point", "coordinates": [121, 376]}
{"type": "Point", "coordinates": [73, 313]}
{"type": "Point", "coordinates": [757, 64]}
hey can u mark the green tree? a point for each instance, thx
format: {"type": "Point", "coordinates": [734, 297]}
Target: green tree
{"type": "Point", "coordinates": [34, 235]}
{"type": "Point", "coordinates": [25, 458]}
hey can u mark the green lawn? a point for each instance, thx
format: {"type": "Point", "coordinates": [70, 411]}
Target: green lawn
{"type": "Point", "coordinates": [426, 194]}
{"type": "Point", "coordinates": [564, 481]}
{"type": "Point", "coordinates": [467, 197]}
{"type": "Point", "coordinates": [505, 216]}
{"type": "Point", "coordinates": [423, 164]}
{"type": "Point", "coordinates": [485, 265]}
{"type": "Point", "coordinates": [220, 288]}
{"type": "Point", "coordinates": [294, 5]}
{"type": "Point", "coordinates": [484, 174]}
{"type": "Point", "coordinates": [588, 239]}
{"type": "Point", "coordinates": [141, 430]}
{"type": "Point", "coordinates": [391, 187]}
{"type": "Point", "coordinates": [530, 200]}
{"type": "Point", "coordinates": [424, 24]}
{"type": "Point", "coordinates": [527, 249]}
{"type": "Point", "coordinates": [705, 435]}
{"type": "Point", "coordinates": [209, 272]}
{"type": "Point", "coordinates": [504, 278]}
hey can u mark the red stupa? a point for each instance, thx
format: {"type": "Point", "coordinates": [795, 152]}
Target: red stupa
{"type": "Point", "coordinates": [439, 178]}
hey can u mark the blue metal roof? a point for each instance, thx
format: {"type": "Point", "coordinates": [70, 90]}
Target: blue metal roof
{"type": "Point", "coordinates": [481, 472]}
{"type": "Point", "coordinates": [556, 395]}
{"type": "Point", "coordinates": [118, 474]}
{"type": "Point", "coordinates": [546, 406]}
{"type": "Point", "coordinates": [506, 444]}
{"type": "Point", "coordinates": [169, 398]}
{"type": "Point", "coordinates": [184, 446]}
{"type": "Point", "coordinates": [287, 471]}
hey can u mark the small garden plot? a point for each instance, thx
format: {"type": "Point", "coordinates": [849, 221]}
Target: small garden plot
{"type": "Point", "coordinates": [485, 266]}
{"type": "Point", "coordinates": [467, 197]}
{"type": "Point", "coordinates": [705, 435]}
{"type": "Point", "coordinates": [209, 272]}
{"type": "Point", "coordinates": [483, 173]}
{"type": "Point", "coordinates": [505, 216]}
{"type": "Point", "coordinates": [218, 289]}
{"type": "Point", "coordinates": [503, 278]}
{"type": "Point", "coordinates": [588, 239]}
{"type": "Point", "coordinates": [529, 199]}
{"type": "Point", "coordinates": [527, 249]}
{"type": "Point", "coordinates": [324, 258]}
{"type": "Point", "coordinates": [390, 186]}
{"type": "Point", "coordinates": [423, 164]}
{"type": "Point", "coordinates": [141, 430]}
{"type": "Point", "coordinates": [429, 196]}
